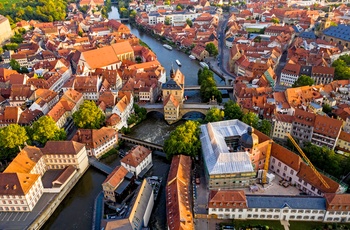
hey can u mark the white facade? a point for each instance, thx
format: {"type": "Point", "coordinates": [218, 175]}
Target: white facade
{"type": "Point", "coordinates": [143, 164]}
{"type": "Point", "coordinates": [78, 161]}
{"type": "Point", "coordinates": [288, 79]}
{"type": "Point", "coordinates": [281, 129]}
{"type": "Point", "coordinates": [283, 170]}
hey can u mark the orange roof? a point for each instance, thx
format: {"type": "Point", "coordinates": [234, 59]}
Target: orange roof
{"type": "Point", "coordinates": [136, 155]}
{"type": "Point", "coordinates": [116, 177]}
{"type": "Point", "coordinates": [308, 175]}
{"type": "Point", "coordinates": [337, 202]}
{"type": "Point", "coordinates": [227, 198]}
{"type": "Point", "coordinates": [178, 198]}
{"type": "Point", "coordinates": [17, 183]}
{"type": "Point", "coordinates": [327, 126]}
{"type": "Point", "coordinates": [286, 156]}
{"type": "Point", "coordinates": [344, 136]}
{"type": "Point", "coordinates": [94, 138]}
{"type": "Point", "coordinates": [25, 160]}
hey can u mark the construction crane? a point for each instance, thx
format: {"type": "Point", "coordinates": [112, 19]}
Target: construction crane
{"type": "Point", "coordinates": [266, 165]}
{"type": "Point", "coordinates": [319, 176]}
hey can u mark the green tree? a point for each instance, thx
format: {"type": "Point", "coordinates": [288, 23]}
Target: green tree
{"type": "Point", "coordinates": [326, 108]}
{"type": "Point", "coordinates": [303, 80]}
{"type": "Point", "coordinates": [214, 114]}
{"type": "Point", "coordinates": [251, 119]}
{"type": "Point", "coordinates": [189, 22]}
{"type": "Point", "coordinates": [45, 129]}
{"type": "Point", "coordinates": [342, 71]}
{"type": "Point", "coordinates": [89, 116]}
{"type": "Point", "coordinates": [12, 136]}
{"type": "Point", "coordinates": [15, 65]}
{"type": "Point", "coordinates": [10, 46]}
{"type": "Point", "coordinates": [167, 21]}
{"type": "Point", "coordinates": [333, 23]}
{"type": "Point", "coordinates": [167, 2]}
{"type": "Point", "coordinates": [208, 90]}
{"type": "Point", "coordinates": [265, 127]}
{"type": "Point", "coordinates": [232, 110]}
{"type": "Point", "coordinates": [275, 20]}
{"type": "Point", "coordinates": [179, 7]}
{"type": "Point", "coordinates": [183, 140]}
{"type": "Point", "coordinates": [211, 48]}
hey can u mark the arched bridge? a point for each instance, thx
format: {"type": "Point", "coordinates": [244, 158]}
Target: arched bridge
{"type": "Point", "coordinates": [185, 108]}
{"type": "Point", "coordinates": [146, 144]}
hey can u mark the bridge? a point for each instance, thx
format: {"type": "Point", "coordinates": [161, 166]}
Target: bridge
{"type": "Point", "coordinates": [146, 144]}
{"type": "Point", "coordinates": [185, 108]}
{"type": "Point", "coordinates": [100, 166]}
{"type": "Point", "coordinates": [311, 2]}
{"type": "Point", "coordinates": [197, 87]}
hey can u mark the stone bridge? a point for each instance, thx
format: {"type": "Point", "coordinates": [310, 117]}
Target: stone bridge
{"type": "Point", "coordinates": [184, 109]}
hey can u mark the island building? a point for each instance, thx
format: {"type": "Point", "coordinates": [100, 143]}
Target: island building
{"type": "Point", "coordinates": [234, 156]}
{"type": "Point", "coordinates": [173, 95]}
{"type": "Point", "coordinates": [138, 215]}
{"type": "Point", "coordinates": [36, 171]}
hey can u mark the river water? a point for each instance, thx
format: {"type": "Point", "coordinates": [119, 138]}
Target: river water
{"type": "Point", "coordinates": [76, 210]}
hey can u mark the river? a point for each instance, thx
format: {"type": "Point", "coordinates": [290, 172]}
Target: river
{"type": "Point", "coordinates": [76, 210]}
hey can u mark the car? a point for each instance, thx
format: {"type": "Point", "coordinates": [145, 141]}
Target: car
{"type": "Point", "coordinates": [198, 180]}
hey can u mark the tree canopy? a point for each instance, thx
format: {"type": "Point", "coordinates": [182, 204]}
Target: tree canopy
{"type": "Point", "coordinates": [211, 48]}
{"type": "Point", "coordinates": [208, 88]}
{"type": "Point", "coordinates": [303, 80]}
{"type": "Point", "coordinates": [183, 140]}
{"type": "Point", "coordinates": [13, 136]}
{"type": "Point", "coordinates": [214, 114]}
{"type": "Point", "coordinates": [251, 119]}
{"type": "Point", "coordinates": [189, 22]}
{"type": "Point", "coordinates": [232, 110]}
{"type": "Point", "coordinates": [265, 127]}
{"type": "Point", "coordinates": [275, 20]}
{"type": "Point", "coordinates": [45, 129]}
{"type": "Point", "coordinates": [342, 69]}
{"type": "Point", "coordinates": [89, 116]}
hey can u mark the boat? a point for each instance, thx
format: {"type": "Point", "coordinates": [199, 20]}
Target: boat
{"type": "Point", "coordinates": [178, 62]}
{"type": "Point", "coordinates": [192, 57]}
{"type": "Point", "coordinates": [166, 46]}
{"type": "Point", "coordinates": [204, 65]}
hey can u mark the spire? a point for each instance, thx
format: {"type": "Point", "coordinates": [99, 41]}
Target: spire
{"type": "Point", "coordinates": [172, 72]}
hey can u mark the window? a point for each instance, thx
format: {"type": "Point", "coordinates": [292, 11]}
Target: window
{"type": "Point", "coordinates": [279, 164]}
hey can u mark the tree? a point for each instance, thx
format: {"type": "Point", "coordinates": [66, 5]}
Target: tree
{"type": "Point", "coordinates": [204, 74]}
{"type": "Point", "coordinates": [13, 136]}
{"type": "Point", "coordinates": [15, 65]}
{"type": "Point", "coordinates": [275, 20]}
{"type": "Point", "coordinates": [303, 80]}
{"type": "Point", "coordinates": [45, 129]}
{"type": "Point", "coordinates": [211, 48]}
{"type": "Point", "coordinates": [333, 23]}
{"type": "Point", "coordinates": [251, 119]}
{"type": "Point", "coordinates": [326, 108]}
{"type": "Point", "coordinates": [167, 2]}
{"type": "Point", "coordinates": [265, 127]}
{"type": "Point", "coordinates": [342, 71]}
{"type": "Point", "coordinates": [179, 7]}
{"type": "Point", "coordinates": [89, 116]}
{"type": "Point", "coordinates": [189, 22]}
{"type": "Point", "coordinates": [232, 110]}
{"type": "Point", "coordinates": [167, 21]}
{"type": "Point", "coordinates": [214, 114]}
{"type": "Point", "coordinates": [183, 140]}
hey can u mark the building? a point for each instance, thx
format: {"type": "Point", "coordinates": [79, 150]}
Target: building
{"type": "Point", "coordinates": [326, 131]}
{"type": "Point", "coordinates": [290, 74]}
{"type": "Point", "coordinates": [178, 194]}
{"type": "Point", "coordinates": [338, 34]}
{"type": "Point", "coordinates": [226, 154]}
{"type": "Point", "coordinates": [343, 143]}
{"type": "Point", "coordinates": [5, 28]}
{"type": "Point", "coordinates": [113, 181]}
{"type": "Point", "coordinates": [199, 52]}
{"type": "Point", "coordinates": [138, 159]}
{"type": "Point", "coordinates": [97, 141]}
{"type": "Point", "coordinates": [322, 75]}
{"type": "Point", "coordinates": [61, 154]}
{"type": "Point", "coordinates": [303, 126]}
{"type": "Point", "coordinates": [282, 125]}
{"type": "Point", "coordinates": [173, 95]}
{"type": "Point", "coordinates": [137, 217]}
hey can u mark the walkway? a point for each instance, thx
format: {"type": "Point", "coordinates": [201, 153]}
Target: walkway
{"type": "Point", "coordinates": [197, 87]}
{"type": "Point", "coordinates": [141, 142]}
{"type": "Point", "coordinates": [285, 224]}
{"type": "Point", "coordinates": [98, 212]}
{"type": "Point", "coordinates": [100, 166]}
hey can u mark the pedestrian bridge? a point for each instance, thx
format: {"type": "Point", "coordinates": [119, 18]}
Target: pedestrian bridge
{"type": "Point", "coordinates": [100, 166]}
{"type": "Point", "coordinates": [185, 108]}
{"type": "Point", "coordinates": [146, 144]}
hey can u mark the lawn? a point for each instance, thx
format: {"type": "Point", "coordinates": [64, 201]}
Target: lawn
{"type": "Point", "coordinates": [273, 224]}
{"type": "Point", "coordinates": [296, 225]}
{"type": "Point", "coordinates": [252, 30]}
{"type": "Point", "coordinates": [8, 3]}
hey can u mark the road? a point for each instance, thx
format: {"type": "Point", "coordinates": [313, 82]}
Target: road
{"type": "Point", "coordinates": [278, 71]}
